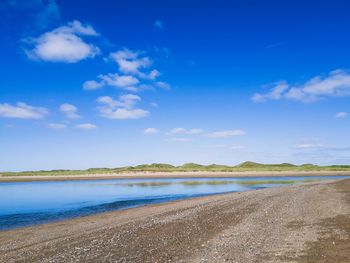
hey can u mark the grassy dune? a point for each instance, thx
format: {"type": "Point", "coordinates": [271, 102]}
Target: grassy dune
{"type": "Point", "coordinates": [188, 167]}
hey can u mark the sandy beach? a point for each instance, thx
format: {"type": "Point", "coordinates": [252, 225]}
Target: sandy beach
{"type": "Point", "coordinates": [199, 174]}
{"type": "Point", "coordinates": [300, 223]}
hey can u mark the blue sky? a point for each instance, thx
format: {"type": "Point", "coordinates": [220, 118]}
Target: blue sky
{"type": "Point", "coordinates": [114, 83]}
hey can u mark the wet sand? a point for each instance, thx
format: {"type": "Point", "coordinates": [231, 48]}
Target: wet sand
{"type": "Point", "coordinates": [300, 223]}
{"type": "Point", "coordinates": [140, 175]}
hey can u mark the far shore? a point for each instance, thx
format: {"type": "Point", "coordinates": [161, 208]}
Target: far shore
{"type": "Point", "coordinates": [150, 175]}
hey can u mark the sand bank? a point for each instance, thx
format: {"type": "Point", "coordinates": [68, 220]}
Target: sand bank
{"type": "Point", "coordinates": [168, 175]}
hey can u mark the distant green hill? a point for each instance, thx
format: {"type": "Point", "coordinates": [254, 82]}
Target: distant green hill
{"type": "Point", "coordinates": [153, 166]}
{"type": "Point", "coordinates": [163, 167]}
{"type": "Point", "coordinates": [287, 165]}
{"type": "Point", "coordinates": [259, 165]}
{"type": "Point", "coordinates": [191, 166]}
{"type": "Point", "coordinates": [249, 164]}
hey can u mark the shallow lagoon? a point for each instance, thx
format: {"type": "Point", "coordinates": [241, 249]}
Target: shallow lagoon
{"type": "Point", "coordinates": [28, 203]}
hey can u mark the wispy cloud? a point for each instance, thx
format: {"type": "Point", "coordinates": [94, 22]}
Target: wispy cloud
{"type": "Point", "coordinates": [226, 133]}
{"type": "Point", "coordinates": [49, 12]}
{"type": "Point", "coordinates": [149, 131]}
{"type": "Point", "coordinates": [185, 131]}
{"type": "Point", "coordinates": [341, 115]}
{"type": "Point", "coordinates": [324, 154]}
{"type": "Point", "coordinates": [163, 85]}
{"type": "Point", "coordinates": [309, 146]}
{"type": "Point", "coordinates": [86, 126]}
{"type": "Point", "coordinates": [274, 45]}
{"type": "Point", "coordinates": [178, 139]}
{"type": "Point", "coordinates": [44, 12]}
{"type": "Point", "coordinates": [69, 110]}
{"type": "Point", "coordinates": [316, 145]}
{"type": "Point", "coordinates": [335, 84]}
{"type": "Point", "coordinates": [275, 93]}
{"type": "Point", "coordinates": [63, 44]}
{"type": "Point", "coordinates": [57, 126]}
{"type": "Point", "coordinates": [121, 109]}
{"type": "Point", "coordinates": [230, 147]}
{"type": "Point", "coordinates": [215, 134]}
{"type": "Point", "coordinates": [22, 111]}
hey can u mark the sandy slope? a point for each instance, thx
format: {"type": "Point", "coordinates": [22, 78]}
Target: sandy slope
{"type": "Point", "coordinates": [306, 223]}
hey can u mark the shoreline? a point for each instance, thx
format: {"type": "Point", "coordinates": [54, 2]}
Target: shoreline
{"type": "Point", "coordinates": [299, 223]}
{"type": "Point", "coordinates": [157, 175]}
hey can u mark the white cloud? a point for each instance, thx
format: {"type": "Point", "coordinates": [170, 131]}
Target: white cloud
{"type": "Point", "coordinates": [153, 74]}
{"type": "Point", "coordinates": [92, 85]}
{"type": "Point", "coordinates": [335, 84]}
{"type": "Point", "coordinates": [195, 131]}
{"type": "Point", "coordinates": [230, 147]}
{"type": "Point", "coordinates": [129, 100]}
{"type": "Point", "coordinates": [177, 131]}
{"type": "Point", "coordinates": [118, 81]}
{"type": "Point", "coordinates": [123, 114]}
{"type": "Point", "coordinates": [154, 105]}
{"type": "Point", "coordinates": [226, 133]}
{"type": "Point", "coordinates": [163, 85]}
{"type": "Point", "coordinates": [121, 109]}
{"type": "Point", "coordinates": [57, 126]}
{"type": "Point", "coordinates": [341, 115]}
{"type": "Point", "coordinates": [126, 82]}
{"type": "Point", "coordinates": [275, 93]}
{"type": "Point", "coordinates": [319, 147]}
{"type": "Point", "coordinates": [69, 110]}
{"type": "Point", "coordinates": [78, 28]}
{"type": "Point", "coordinates": [158, 24]}
{"type": "Point", "coordinates": [86, 126]}
{"type": "Point", "coordinates": [125, 101]}
{"type": "Point", "coordinates": [309, 146]}
{"type": "Point", "coordinates": [134, 73]}
{"type": "Point", "coordinates": [63, 44]}
{"type": "Point", "coordinates": [150, 131]}
{"type": "Point", "coordinates": [185, 131]}
{"type": "Point", "coordinates": [22, 111]}
{"type": "Point", "coordinates": [131, 62]}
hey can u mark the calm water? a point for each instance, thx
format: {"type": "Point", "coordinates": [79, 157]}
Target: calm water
{"type": "Point", "coordinates": [28, 203]}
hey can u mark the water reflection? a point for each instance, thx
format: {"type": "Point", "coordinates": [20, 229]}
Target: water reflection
{"type": "Point", "coordinates": [28, 203]}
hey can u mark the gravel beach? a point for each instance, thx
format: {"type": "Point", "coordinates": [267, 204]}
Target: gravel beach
{"type": "Point", "coordinates": [300, 223]}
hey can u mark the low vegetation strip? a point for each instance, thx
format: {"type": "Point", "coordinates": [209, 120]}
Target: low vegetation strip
{"type": "Point", "coordinates": [189, 167]}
